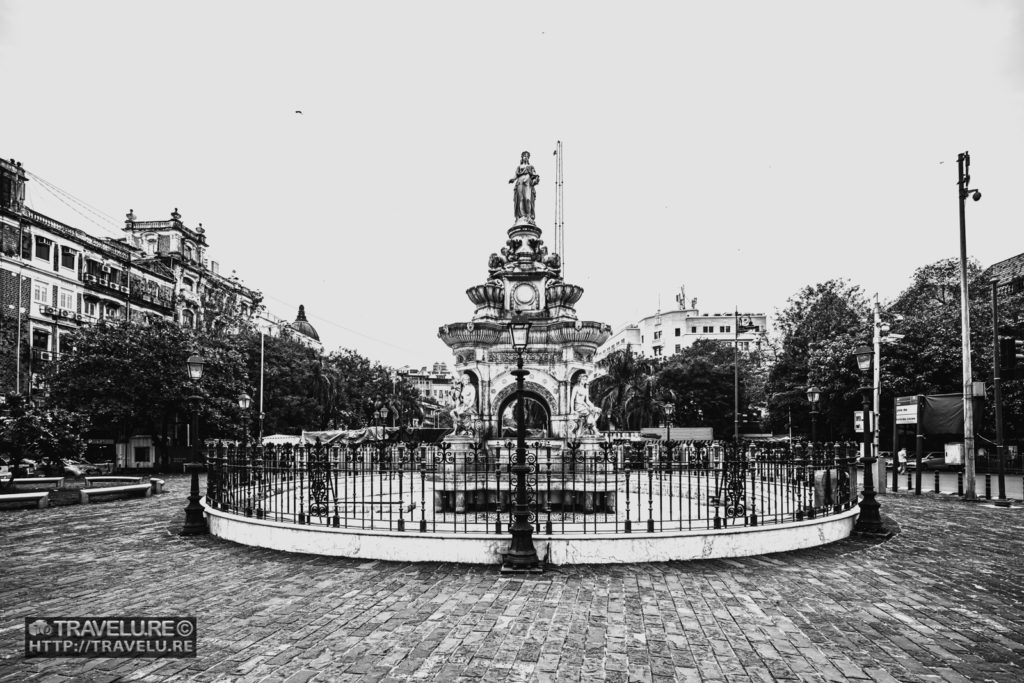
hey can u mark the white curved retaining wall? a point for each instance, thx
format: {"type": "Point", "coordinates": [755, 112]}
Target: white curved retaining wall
{"type": "Point", "coordinates": [413, 546]}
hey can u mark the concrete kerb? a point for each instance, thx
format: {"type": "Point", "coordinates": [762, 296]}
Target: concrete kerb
{"type": "Point", "coordinates": [557, 549]}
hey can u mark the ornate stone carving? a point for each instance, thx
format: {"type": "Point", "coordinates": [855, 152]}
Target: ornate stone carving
{"type": "Point", "coordinates": [464, 411]}
{"type": "Point", "coordinates": [584, 412]}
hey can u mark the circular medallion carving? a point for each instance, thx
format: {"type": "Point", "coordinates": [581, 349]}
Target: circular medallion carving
{"type": "Point", "coordinates": [525, 294]}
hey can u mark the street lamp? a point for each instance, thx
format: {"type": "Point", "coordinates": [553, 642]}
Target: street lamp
{"type": "Point", "coordinates": [244, 401]}
{"type": "Point", "coordinates": [813, 396]}
{"type": "Point", "coordinates": [964, 169]}
{"type": "Point", "coordinates": [869, 521]}
{"type": "Point", "coordinates": [670, 410]}
{"type": "Point", "coordinates": [521, 556]}
{"type": "Point", "coordinates": [195, 521]}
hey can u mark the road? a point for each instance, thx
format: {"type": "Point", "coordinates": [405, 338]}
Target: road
{"type": "Point", "coordinates": [948, 483]}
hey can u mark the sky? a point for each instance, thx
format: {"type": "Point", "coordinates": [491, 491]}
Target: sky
{"type": "Point", "coordinates": [743, 150]}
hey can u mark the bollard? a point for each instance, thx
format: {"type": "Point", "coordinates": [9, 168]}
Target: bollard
{"type": "Point", "coordinates": [910, 480]}
{"type": "Point", "coordinates": [988, 487]}
{"type": "Point", "coordinates": [936, 481]}
{"type": "Point", "coordinates": [959, 483]}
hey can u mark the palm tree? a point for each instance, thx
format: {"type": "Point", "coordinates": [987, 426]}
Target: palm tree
{"type": "Point", "coordinates": [323, 382]}
{"type": "Point", "coordinates": [627, 392]}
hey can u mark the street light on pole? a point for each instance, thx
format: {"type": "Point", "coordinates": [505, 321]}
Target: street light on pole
{"type": "Point", "coordinates": [813, 396]}
{"type": "Point", "coordinates": [964, 171]}
{"type": "Point", "coordinates": [195, 520]}
{"type": "Point", "coordinates": [244, 401]}
{"type": "Point", "coordinates": [521, 556]}
{"type": "Point", "coordinates": [869, 521]}
{"type": "Point", "coordinates": [670, 410]}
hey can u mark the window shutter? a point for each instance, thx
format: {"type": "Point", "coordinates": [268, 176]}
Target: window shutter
{"type": "Point", "coordinates": [163, 244]}
{"type": "Point", "coordinates": [55, 294]}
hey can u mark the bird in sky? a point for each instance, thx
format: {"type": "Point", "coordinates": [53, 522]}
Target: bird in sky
{"type": "Point", "coordinates": [298, 111]}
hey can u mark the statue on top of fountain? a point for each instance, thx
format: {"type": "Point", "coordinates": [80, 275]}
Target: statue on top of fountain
{"type": "Point", "coordinates": [524, 192]}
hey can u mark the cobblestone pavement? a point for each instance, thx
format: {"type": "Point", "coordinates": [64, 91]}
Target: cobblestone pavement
{"type": "Point", "coordinates": [942, 600]}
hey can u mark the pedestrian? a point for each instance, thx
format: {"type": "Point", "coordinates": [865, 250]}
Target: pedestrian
{"type": "Point", "coordinates": [901, 457]}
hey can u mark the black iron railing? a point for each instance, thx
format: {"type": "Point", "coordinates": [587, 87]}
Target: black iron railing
{"type": "Point", "coordinates": [641, 486]}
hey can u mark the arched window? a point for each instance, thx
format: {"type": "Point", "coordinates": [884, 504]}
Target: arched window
{"type": "Point", "coordinates": [188, 318]}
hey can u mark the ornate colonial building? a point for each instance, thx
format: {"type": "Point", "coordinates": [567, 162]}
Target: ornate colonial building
{"type": "Point", "coordinates": [55, 277]}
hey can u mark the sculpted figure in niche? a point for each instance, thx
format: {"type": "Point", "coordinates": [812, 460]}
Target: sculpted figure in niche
{"type": "Point", "coordinates": [463, 410]}
{"type": "Point", "coordinates": [524, 192]}
{"type": "Point", "coordinates": [584, 412]}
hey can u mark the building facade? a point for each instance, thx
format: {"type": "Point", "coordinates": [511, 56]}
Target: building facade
{"type": "Point", "coordinates": [668, 332]}
{"type": "Point", "coordinates": [55, 278]}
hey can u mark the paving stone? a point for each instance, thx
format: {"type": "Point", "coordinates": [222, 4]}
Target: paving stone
{"type": "Point", "coordinates": [941, 600]}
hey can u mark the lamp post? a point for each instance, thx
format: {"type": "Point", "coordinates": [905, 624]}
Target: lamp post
{"type": "Point", "coordinates": [869, 521]}
{"type": "Point", "coordinates": [195, 521]}
{"type": "Point", "coordinates": [521, 556]}
{"type": "Point", "coordinates": [964, 170]}
{"type": "Point", "coordinates": [813, 396]}
{"type": "Point", "coordinates": [670, 410]}
{"type": "Point", "coordinates": [244, 401]}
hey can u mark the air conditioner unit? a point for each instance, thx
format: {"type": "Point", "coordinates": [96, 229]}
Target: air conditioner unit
{"type": "Point", "coordinates": [45, 309]}
{"type": "Point", "coordinates": [45, 355]}
{"type": "Point", "coordinates": [90, 278]}
{"type": "Point", "coordinates": [105, 269]}
{"type": "Point", "coordinates": [64, 313]}
{"type": "Point", "coordinates": [78, 317]}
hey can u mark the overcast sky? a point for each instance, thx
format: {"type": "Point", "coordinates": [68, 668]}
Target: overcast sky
{"type": "Point", "coordinates": [742, 149]}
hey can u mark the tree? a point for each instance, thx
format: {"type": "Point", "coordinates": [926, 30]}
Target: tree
{"type": "Point", "coordinates": [44, 434]}
{"type": "Point", "coordinates": [626, 392]}
{"type": "Point", "coordinates": [130, 378]}
{"type": "Point", "coordinates": [817, 333]}
{"type": "Point", "coordinates": [929, 358]}
{"type": "Point", "coordinates": [701, 380]}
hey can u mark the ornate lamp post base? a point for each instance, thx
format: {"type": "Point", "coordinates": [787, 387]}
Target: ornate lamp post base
{"type": "Point", "coordinates": [521, 563]}
{"type": "Point", "coordinates": [195, 520]}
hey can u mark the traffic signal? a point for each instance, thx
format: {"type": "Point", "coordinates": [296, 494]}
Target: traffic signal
{"type": "Point", "coordinates": [1011, 355]}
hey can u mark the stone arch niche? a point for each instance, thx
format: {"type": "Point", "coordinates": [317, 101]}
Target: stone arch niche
{"type": "Point", "coordinates": [538, 406]}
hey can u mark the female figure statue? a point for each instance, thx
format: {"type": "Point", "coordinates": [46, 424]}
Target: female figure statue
{"type": "Point", "coordinates": [464, 408]}
{"type": "Point", "coordinates": [524, 192]}
{"type": "Point", "coordinates": [584, 411]}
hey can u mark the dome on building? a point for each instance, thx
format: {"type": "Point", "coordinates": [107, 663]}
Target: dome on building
{"type": "Point", "coordinates": [302, 326]}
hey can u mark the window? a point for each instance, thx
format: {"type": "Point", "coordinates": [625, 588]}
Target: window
{"type": "Point", "coordinates": [43, 248]}
{"type": "Point", "coordinates": [709, 328]}
{"type": "Point", "coordinates": [657, 350]}
{"type": "Point", "coordinates": [657, 335]}
{"type": "Point", "coordinates": [677, 348]}
{"type": "Point", "coordinates": [678, 331]}
{"type": "Point", "coordinates": [189, 283]}
{"type": "Point", "coordinates": [90, 308]}
{"type": "Point", "coordinates": [725, 328]}
{"type": "Point", "coordinates": [66, 299]}
{"type": "Point", "coordinates": [40, 340]}
{"type": "Point", "coordinates": [693, 330]}
{"type": "Point", "coordinates": [142, 454]}
{"type": "Point", "coordinates": [67, 257]}
{"type": "Point", "coordinates": [188, 318]}
{"type": "Point", "coordinates": [41, 292]}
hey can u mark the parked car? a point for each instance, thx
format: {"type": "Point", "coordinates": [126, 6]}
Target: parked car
{"type": "Point", "coordinates": [936, 460]}
{"type": "Point", "coordinates": [79, 468]}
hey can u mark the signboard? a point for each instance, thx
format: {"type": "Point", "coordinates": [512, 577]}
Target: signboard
{"type": "Point", "coordinates": [906, 410]}
{"type": "Point", "coordinates": [858, 420]}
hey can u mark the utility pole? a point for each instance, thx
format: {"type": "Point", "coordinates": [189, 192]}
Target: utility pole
{"type": "Point", "coordinates": [964, 171]}
{"type": "Point", "coordinates": [877, 394]}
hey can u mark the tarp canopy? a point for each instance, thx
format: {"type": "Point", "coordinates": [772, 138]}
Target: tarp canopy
{"type": "Point", "coordinates": [944, 414]}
